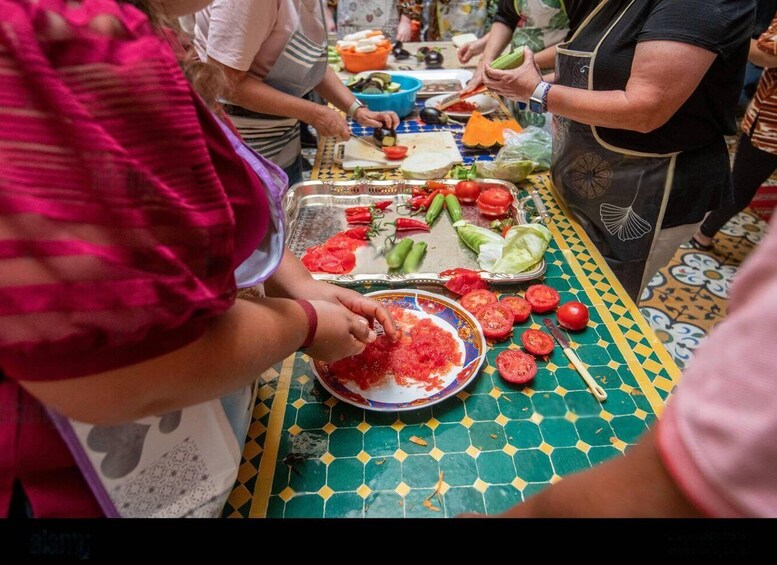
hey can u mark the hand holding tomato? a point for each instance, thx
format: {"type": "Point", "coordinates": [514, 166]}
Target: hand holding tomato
{"type": "Point", "coordinates": [340, 332]}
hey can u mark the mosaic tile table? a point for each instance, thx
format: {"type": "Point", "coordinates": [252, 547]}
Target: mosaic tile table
{"type": "Point", "coordinates": [309, 455]}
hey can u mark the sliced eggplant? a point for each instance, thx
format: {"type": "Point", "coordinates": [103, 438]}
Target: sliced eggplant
{"type": "Point", "coordinates": [385, 137]}
{"type": "Point", "coordinates": [385, 78]}
{"type": "Point", "coordinates": [393, 87]}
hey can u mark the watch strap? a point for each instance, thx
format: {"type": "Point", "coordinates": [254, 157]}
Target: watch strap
{"type": "Point", "coordinates": [354, 108]}
{"type": "Point", "coordinates": [312, 316]}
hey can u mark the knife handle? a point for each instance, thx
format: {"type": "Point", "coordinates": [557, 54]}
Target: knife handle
{"type": "Point", "coordinates": [596, 390]}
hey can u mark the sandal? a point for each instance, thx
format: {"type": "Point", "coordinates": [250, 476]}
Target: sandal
{"type": "Point", "coordinates": [696, 244]}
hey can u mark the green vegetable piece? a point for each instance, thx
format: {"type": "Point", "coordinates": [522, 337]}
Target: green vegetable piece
{"type": "Point", "coordinates": [358, 173]}
{"type": "Point", "coordinates": [434, 209]}
{"type": "Point", "coordinates": [475, 236]}
{"type": "Point", "coordinates": [453, 207]}
{"type": "Point", "coordinates": [413, 260]}
{"type": "Point", "coordinates": [396, 257]}
{"type": "Point", "coordinates": [524, 247]}
{"type": "Point", "coordinates": [509, 61]}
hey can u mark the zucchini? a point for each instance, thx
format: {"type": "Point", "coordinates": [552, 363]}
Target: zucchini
{"type": "Point", "coordinates": [509, 61]}
{"type": "Point", "coordinates": [396, 257]}
{"type": "Point", "coordinates": [413, 260]}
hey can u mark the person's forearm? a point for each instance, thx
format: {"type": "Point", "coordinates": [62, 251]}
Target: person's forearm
{"type": "Point", "coordinates": [290, 275]}
{"type": "Point", "coordinates": [253, 94]}
{"type": "Point", "coordinates": [332, 89]}
{"type": "Point", "coordinates": [546, 59]}
{"type": "Point", "coordinates": [236, 348]}
{"type": "Point", "coordinates": [761, 58]}
{"type": "Point", "coordinates": [498, 38]}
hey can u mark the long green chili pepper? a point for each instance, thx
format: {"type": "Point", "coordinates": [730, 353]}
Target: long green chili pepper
{"type": "Point", "coordinates": [453, 207]}
{"type": "Point", "coordinates": [396, 257]}
{"type": "Point", "coordinates": [434, 209]}
{"type": "Point", "coordinates": [413, 260]}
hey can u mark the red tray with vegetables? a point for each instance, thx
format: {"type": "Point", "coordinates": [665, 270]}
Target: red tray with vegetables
{"type": "Point", "coordinates": [401, 232]}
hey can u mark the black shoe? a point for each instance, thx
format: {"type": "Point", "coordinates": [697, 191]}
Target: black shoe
{"type": "Point", "coordinates": [696, 244]}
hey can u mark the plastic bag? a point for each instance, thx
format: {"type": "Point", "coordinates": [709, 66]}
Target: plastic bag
{"type": "Point", "coordinates": [522, 154]}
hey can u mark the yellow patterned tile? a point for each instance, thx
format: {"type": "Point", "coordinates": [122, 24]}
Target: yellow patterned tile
{"type": "Point", "coordinates": [432, 423]}
{"type": "Point", "coordinates": [260, 410]}
{"type": "Point", "coordinates": [536, 418]}
{"type": "Point", "coordinates": [472, 451]}
{"type": "Point", "coordinates": [652, 366]}
{"type": "Point", "coordinates": [618, 444]}
{"type": "Point", "coordinates": [495, 393]}
{"type": "Point", "coordinates": [251, 449]}
{"type": "Point", "coordinates": [513, 345]}
{"type": "Point", "coordinates": [626, 388]}
{"type": "Point", "coordinates": [327, 458]}
{"type": "Point", "coordinates": [400, 455]}
{"type": "Point", "coordinates": [325, 492]}
{"type": "Point", "coordinates": [331, 401]}
{"type": "Point", "coordinates": [397, 426]}
{"type": "Point", "coordinates": [510, 450]}
{"type": "Point", "coordinates": [602, 343]}
{"type": "Point", "coordinates": [363, 427]}
{"type": "Point", "coordinates": [555, 479]}
{"type": "Point", "coordinates": [535, 326]}
{"type": "Point", "coordinates": [270, 375]}
{"type": "Point", "coordinates": [295, 430]}
{"type": "Point", "coordinates": [571, 417]}
{"type": "Point", "coordinates": [436, 453]}
{"type": "Point", "coordinates": [664, 384]}
{"type": "Point", "coordinates": [466, 421]}
{"type": "Point", "coordinates": [305, 358]}
{"type": "Point", "coordinates": [364, 491]}
{"type": "Point", "coordinates": [329, 427]}
{"type": "Point", "coordinates": [560, 390]}
{"type": "Point", "coordinates": [444, 487]}
{"type": "Point", "coordinates": [582, 446]}
{"type": "Point", "coordinates": [303, 380]}
{"type": "Point", "coordinates": [502, 420]}
{"type": "Point", "coordinates": [641, 414]}
{"type": "Point", "coordinates": [463, 395]}
{"type": "Point", "coordinates": [643, 350]}
{"type": "Point", "coordinates": [239, 496]}
{"type": "Point", "coordinates": [402, 489]}
{"type": "Point", "coordinates": [287, 494]}
{"type": "Point", "coordinates": [519, 483]}
{"type": "Point", "coordinates": [256, 429]}
{"type": "Point", "coordinates": [552, 367]}
{"type": "Point", "coordinates": [606, 416]}
{"type": "Point", "coordinates": [528, 391]}
{"type": "Point", "coordinates": [489, 370]}
{"type": "Point", "coordinates": [480, 485]}
{"type": "Point", "coordinates": [633, 335]}
{"type": "Point", "coordinates": [299, 403]}
{"type": "Point", "coordinates": [363, 457]}
{"type": "Point", "coordinates": [546, 448]}
{"type": "Point", "coordinates": [265, 392]}
{"type": "Point", "coordinates": [613, 365]}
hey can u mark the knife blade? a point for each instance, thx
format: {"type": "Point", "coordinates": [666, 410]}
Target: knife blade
{"type": "Point", "coordinates": [556, 332]}
{"type": "Point", "coordinates": [451, 99]}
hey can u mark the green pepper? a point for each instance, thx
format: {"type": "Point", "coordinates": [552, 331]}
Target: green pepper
{"type": "Point", "coordinates": [453, 207]}
{"type": "Point", "coordinates": [396, 257]}
{"type": "Point", "coordinates": [434, 209]}
{"type": "Point", "coordinates": [413, 260]}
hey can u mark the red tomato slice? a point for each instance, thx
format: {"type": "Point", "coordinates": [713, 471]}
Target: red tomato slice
{"type": "Point", "coordinates": [573, 316]}
{"type": "Point", "coordinates": [515, 366]}
{"type": "Point", "coordinates": [467, 191]}
{"type": "Point", "coordinates": [520, 308]}
{"type": "Point", "coordinates": [312, 259]}
{"type": "Point", "coordinates": [477, 299]}
{"type": "Point", "coordinates": [496, 320]}
{"type": "Point", "coordinates": [537, 342]}
{"type": "Point", "coordinates": [465, 283]}
{"type": "Point", "coordinates": [542, 298]}
{"type": "Point", "coordinates": [492, 211]}
{"type": "Point", "coordinates": [396, 152]}
{"type": "Point", "coordinates": [457, 271]}
{"type": "Point", "coordinates": [495, 196]}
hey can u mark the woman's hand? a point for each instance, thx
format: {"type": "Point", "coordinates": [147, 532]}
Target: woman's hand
{"type": "Point", "coordinates": [477, 79]}
{"type": "Point", "coordinates": [404, 29]}
{"type": "Point", "coordinates": [329, 123]}
{"type": "Point", "coordinates": [366, 117]}
{"type": "Point", "coordinates": [340, 332]}
{"type": "Point", "coordinates": [517, 84]}
{"type": "Point", "coordinates": [473, 49]}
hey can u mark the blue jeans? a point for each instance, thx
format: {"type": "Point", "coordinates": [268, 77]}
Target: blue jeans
{"type": "Point", "coordinates": [294, 171]}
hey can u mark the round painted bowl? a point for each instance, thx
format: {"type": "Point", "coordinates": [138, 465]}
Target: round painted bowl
{"type": "Point", "coordinates": [402, 102]}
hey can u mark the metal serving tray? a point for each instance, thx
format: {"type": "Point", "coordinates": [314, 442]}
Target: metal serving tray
{"type": "Point", "coordinates": [315, 213]}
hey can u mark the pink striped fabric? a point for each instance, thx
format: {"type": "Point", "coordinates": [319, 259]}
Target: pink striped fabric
{"type": "Point", "coordinates": [115, 229]}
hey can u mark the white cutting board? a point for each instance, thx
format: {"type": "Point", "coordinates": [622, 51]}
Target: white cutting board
{"type": "Point", "coordinates": [353, 153]}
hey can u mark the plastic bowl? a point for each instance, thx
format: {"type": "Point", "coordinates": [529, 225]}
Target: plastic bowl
{"type": "Point", "coordinates": [359, 62]}
{"type": "Point", "coordinates": [402, 102]}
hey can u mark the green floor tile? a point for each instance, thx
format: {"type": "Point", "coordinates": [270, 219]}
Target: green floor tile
{"type": "Point", "coordinates": [641, 400]}
{"type": "Point", "coordinates": [568, 460]}
{"type": "Point", "coordinates": [496, 467]}
{"type": "Point", "coordinates": [275, 507]}
{"type": "Point", "coordinates": [380, 418]}
{"type": "Point", "coordinates": [628, 428]}
{"type": "Point", "coordinates": [414, 504]}
{"type": "Point", "coordinates": [602, 453]}
{"type": "Point", "coordinates": [619, 402]}
{"type": "Point", "coordinates": [583, 403]}
{"type": "Point", "coordinates": [344, 505]}
{"type": "Point", "coordinates": [523, 434]}
{"type": "Point", "coordinates": [313, 416]}
{"type": "Point", "coordinates": [381, 440]}
{"type": "Point", "coordinates": [383, 473]}
{"type": "Point", "coordinates": [305, 506]}
{"type": "Point", "coordinates": [308, 476]}
{"type": "Point", "coordinates": [594, 430]}
{"type": "Point", "coordinates": [419, 432]}
{"type": "Point", "coordinates": [487, 436]}
{"type": "Point", "coordinates": [345, 474]}
{"type": "Point", "coordinates": [280, 479]}
{"type": "Point", "coordinates": [532, 465]}
{"type": "Point", "coordinates": [584, 337]}
{"type": "Point", "coordinates": [451, 410]}
{"type": "Point", "coordinates": [312, 391]}
{"type": "Point", "coordinates": [346, 442]}
{"type": "Point", "coordinates": [500, 498]}
{"type": "Point", "coordinates": [593, 355]}
{"type": "Point", "coordinates": [346, 416]}
{"type": "Point", "coordinates": [416, 416]}
{"type": "Point", "coordinates": [545, 380]}
{"type": "Point", "coordinates": [559, 432]}
{"type": "Point", "coordinates": [459, 469]}
{"type": "Point", "coordinates": [459, 500]}
{"type": "Point", "coordinates": [570, 379]}
{"type": "Point", "coordinates": [420, 471]}
{"type": "Point", "coordinates": [607, 377]}
{"type": "Point", "coordinates": [516, 406]}
{"type": "Point", "coordinates": [532, 489]}
{"type": "Point", "coordinates": [549, 404]}
{"type": "Point", "coordinates": [451, 437]}
{"type": "Point", "coordinates": [384, 505]}
{"type": "Point", "coordinates": [481, 407]}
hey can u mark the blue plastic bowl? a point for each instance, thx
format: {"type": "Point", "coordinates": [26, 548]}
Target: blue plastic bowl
{"type": "Point", "coordinates": [402, 102]}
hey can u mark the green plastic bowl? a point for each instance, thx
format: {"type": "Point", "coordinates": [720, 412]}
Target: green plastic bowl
{"type": "Point", "coordinates": [402, 102]}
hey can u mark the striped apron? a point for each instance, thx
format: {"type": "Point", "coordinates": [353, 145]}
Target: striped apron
{"type": "Point", "coordinates": [299, 68]}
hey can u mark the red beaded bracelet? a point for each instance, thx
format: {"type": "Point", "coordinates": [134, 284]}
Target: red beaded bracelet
{"type": "Point", "coordinates": [310, 312]}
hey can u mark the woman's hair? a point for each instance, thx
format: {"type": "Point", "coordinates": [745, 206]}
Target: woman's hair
{"type": "Point", "coordinates": [208, 81]}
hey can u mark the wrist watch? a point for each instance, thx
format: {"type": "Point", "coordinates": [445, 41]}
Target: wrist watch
{"type": "Point", "coordinates": [538, 103]}
{"type": "Point", "coordinates": [354, 108]}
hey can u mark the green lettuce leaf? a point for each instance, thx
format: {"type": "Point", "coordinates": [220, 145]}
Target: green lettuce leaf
{"type": "Point", "coordinates": [524, 247]}
{"type": "Point", "coordinates": [475, 236]}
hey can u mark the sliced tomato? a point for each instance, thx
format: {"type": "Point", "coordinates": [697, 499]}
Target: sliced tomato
{"type": "Point", "coordinates": [312, 259]}
{"type": "Point", "coordinates": [542, 298]}
{"type": "Point", "coordinates": [573, 316]}
{"type": "Point", "coordinates": [496, 320]}
{"type": "Point", "coordinates": [537, 342]}
{"type": "Point", "coordinates": [467, 191]}
{"type": "Point", "coordinates": [457, 271]}
{"type": "Point", "coordinates": [520, 308]}
{"type": "Point", "coordinates": [396, 152]}
{"type": "Point", "coordinates": [465, 283]}
{"type": "Point", "coordinates": [515, 366]}
{"type": "Point", "coordinates": [477, 299]}
{"type": "Point", "coordinates": [495, 195]}
{"type": "Point", "coordinates": [492, 211]}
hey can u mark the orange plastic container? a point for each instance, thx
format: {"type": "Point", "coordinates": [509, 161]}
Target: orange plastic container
{"type": "Point", "coordinates": [358, 62]}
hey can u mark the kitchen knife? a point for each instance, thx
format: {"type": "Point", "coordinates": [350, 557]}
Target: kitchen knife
{"type": "Point", "coordinates": [555, 331]}
{"type": "Point", "coordinates": [456, 97]}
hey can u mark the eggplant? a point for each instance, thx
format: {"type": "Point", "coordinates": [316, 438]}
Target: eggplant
{"type": "Point", "coordinates": [358, 84]}
{"type": "Point", "coordinates": [383, 78]}
{"type": "Point", "coordinates": [433, 60]}
{"type": "Point", "coordinates": [420, 55]}
{"type": "Point", "coordinates": [433, 116]}
{"type": "Point", "coordinates": [400, 54]}
{"type": "Point", "coordinates": [385, 137]}
{"type": "Point", "coordinates": [373, 87]}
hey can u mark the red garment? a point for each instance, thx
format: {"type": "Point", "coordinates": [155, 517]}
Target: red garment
{"type": "Point", "coordinates": [123, 213]}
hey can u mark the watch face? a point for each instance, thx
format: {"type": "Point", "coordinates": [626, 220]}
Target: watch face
{"type": "Point", "coordinates": [535, 106]}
